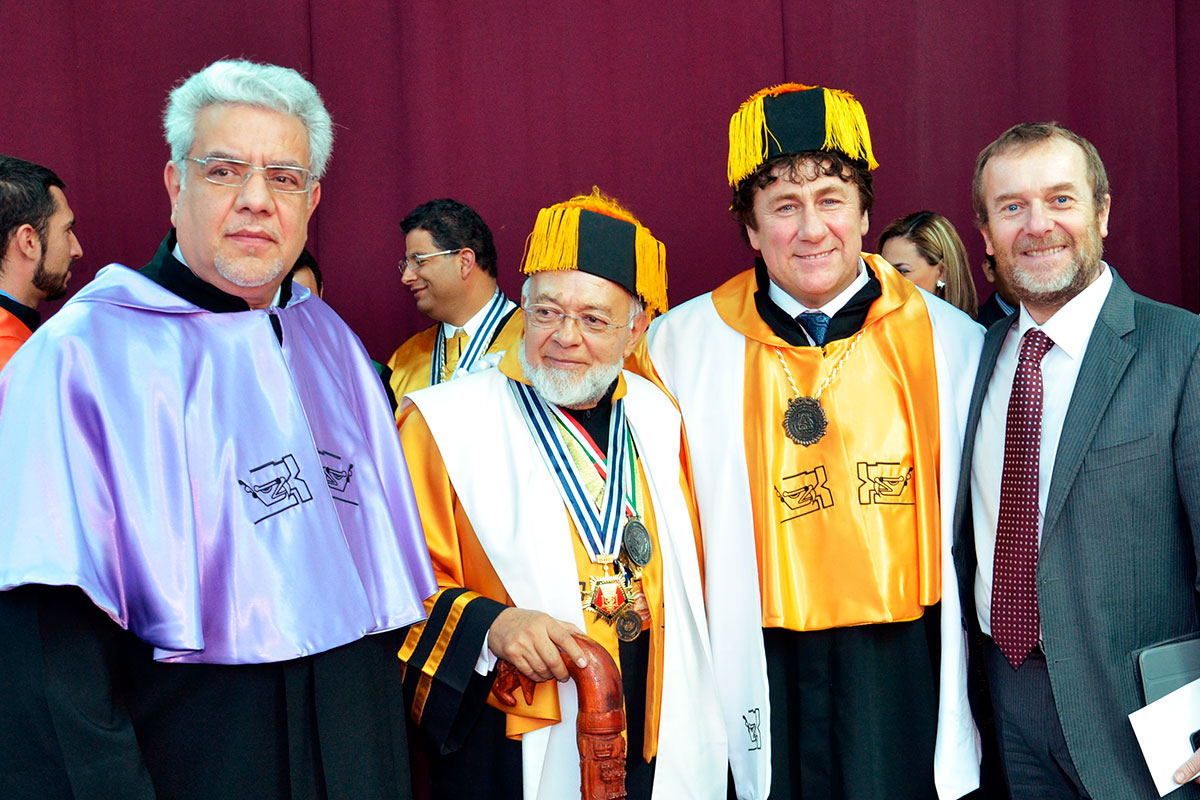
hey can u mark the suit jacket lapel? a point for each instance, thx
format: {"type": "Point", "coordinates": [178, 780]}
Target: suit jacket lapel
{"type": "Point", "coordinates": [1105, 361]}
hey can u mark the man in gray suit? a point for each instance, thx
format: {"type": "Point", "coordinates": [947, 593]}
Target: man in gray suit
{"type": "Point", "coordinates": [1078, 518]}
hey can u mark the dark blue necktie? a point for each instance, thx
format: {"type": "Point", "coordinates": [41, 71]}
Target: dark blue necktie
{"type": "Point", "coordinates": [815, 324]}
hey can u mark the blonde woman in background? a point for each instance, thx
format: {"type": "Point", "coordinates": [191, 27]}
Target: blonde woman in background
{"type": "Point", "coordinates": [925, 248]}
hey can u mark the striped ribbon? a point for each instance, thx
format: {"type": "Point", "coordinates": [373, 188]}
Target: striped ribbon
{"type": "Point", "coordinates": [601, 527]}
{"type": "Point", "coordinates": [597, 459]}
{"type": "Point", "coordinates": [497, 307]}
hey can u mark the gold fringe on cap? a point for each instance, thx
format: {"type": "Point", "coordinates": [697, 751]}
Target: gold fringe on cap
{"type": "Point", "coordinates": [846, 127]}
{"type": "Point", "coordinates": [651, 270]}
{"type": "Point", "coordinates": [748, 132]}
{"type": "Point", "coordinates": [845, 130]}
{"type": "Point", "coordinates": [554, 244]}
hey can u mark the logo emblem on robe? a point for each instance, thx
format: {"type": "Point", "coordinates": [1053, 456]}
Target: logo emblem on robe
{"type": "Point", "coordinates": [885, 483]}
{"type": "Point", "coordinates": [337, 476]}
{"type": "Point", "coordinates": [277, 485]}
{"type": "Point", "coordinates": [753, 729]}
{"type": "Point", "coordinates": [804, 493]}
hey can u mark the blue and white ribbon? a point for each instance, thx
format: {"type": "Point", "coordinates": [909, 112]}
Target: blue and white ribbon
{"type": "Point", "coordinates": [497, 308]}
{"type": "Point", "coordinates": [601, 527]}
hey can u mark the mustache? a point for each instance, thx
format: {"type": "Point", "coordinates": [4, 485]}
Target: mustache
{"type": "Point", "coordinates": [1040, 242]}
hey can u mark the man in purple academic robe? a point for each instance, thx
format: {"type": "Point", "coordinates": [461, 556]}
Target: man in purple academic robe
{"type": "Point", "coordinates": [211, 542]}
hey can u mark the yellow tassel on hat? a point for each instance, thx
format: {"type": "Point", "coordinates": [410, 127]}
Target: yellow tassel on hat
{"type": "Point", "coordinates": [846, 127]}
{"type": "Point", "coordinates": [749, 137]}
{"type": "Point", "coordinates": [554, 244]}
{"type": "Point", "coordinates": [651, 270]}
{"type": "Point", "coordinates": [748, 132]}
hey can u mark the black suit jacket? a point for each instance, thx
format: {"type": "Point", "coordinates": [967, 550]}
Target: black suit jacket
{"type": "Point", "coordinates": [1117, 564]}
{"type": "Point", "coordinates": [990, 312]}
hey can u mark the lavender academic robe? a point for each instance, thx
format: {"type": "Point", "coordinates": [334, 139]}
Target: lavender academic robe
{"type": "Point", "coordinates": [239, 507]}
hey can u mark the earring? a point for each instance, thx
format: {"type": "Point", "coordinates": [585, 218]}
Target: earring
{"type": "Point", "coordinates": [941, 284]}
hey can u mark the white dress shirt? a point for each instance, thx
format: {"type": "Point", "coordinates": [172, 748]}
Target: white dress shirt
{"type": "Point", "coordinates": [1069, 329]}
{"type": "Point", "coordinates": [794, 308]}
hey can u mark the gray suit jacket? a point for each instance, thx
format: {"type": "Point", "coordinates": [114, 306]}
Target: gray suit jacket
{"type": "Point", "coordinates": [1117, 567]}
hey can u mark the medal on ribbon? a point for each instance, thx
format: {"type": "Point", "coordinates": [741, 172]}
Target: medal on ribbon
{"type": "Point", "coordinates": [608, 597]}
{"type": "Point", "coordinates": [613, 527]}
{"type": "Point", "coordinates": [600, 528]}
{"type": "Point", "coordinates": [636, 541]}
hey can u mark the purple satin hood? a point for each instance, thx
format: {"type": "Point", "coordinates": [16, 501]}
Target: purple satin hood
{"type": "Point", "coordinates": [226, 499]}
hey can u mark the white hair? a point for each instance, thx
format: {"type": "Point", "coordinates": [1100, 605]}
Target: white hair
{"type": "Point", "coordinates": [248, 83]}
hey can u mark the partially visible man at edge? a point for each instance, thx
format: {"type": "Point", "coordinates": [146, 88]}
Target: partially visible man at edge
{"type": "Point", "coordinates": [1002, 302]}
{"type": "Point", "coordinates": [823, 397]}
{"type": "Point", "coordinates": [220, 512]}
{"type": "Point", "coordinates": [37, 248]}
{"type": "Point", "coordinates": [449, 265]}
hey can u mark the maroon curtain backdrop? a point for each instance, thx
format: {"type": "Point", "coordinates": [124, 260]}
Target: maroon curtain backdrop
{"type": "Point", "coordinates": [512, 106]}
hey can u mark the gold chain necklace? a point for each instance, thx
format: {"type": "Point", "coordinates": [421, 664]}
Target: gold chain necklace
{"type": "Point", "coordinates": [804, 420]}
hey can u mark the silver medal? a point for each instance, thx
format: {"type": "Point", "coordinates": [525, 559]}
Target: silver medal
{"type": "Point", "coordinates": [804, 422]}
{"type": "Point", "coordinates": [637, 542]}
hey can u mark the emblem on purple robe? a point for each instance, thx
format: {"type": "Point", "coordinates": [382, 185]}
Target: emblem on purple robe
{"type": "Point", "coordinates": [277, 485]}
{"type": "Point", "coordinates": [337, 477]}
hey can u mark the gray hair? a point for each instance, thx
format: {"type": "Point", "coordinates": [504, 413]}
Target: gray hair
{"type": "Point", "coordinates": [247, 83]}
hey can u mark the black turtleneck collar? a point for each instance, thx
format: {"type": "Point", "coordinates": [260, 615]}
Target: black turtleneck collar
{"type": "Point", "coordinates": [29, 317]}
{"type": "Point", "coordinates": [595, 420]}
{"type": "Point", "coordinates": [845, 323]}
{"type": "Point", "coordinates": [169, 273]}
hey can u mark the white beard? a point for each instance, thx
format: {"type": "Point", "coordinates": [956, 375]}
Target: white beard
{"type": "Point", "coordinates": [249, 273]}
{"type": "Point", "coordinates": [564, 389]}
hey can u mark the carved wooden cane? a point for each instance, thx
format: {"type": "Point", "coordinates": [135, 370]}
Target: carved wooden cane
{"type": "Point", "coordinates": [600, 723]}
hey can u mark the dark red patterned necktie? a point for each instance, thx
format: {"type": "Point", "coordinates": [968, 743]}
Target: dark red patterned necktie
{"type": "Point", "coordinates": [1015, 620]}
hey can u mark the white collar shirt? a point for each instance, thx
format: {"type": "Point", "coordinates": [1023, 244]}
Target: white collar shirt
{"type": "Point", "coordinates": [794, 308]}
{"type": "Point", "coordinates": [1069, 328]}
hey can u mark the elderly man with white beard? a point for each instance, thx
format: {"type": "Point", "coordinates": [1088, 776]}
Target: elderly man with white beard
{"type": "Point", "coordinates": [556, 501]}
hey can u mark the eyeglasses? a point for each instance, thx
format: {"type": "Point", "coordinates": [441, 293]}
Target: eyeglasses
{"type": "Point", "coordinates": [551, 317]}
{"type": "Point", "coordinates": [416, 261]}
{"type": "Point", "coordinates": [234, 173]}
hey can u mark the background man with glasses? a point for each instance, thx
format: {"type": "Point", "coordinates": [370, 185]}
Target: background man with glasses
{"type": "Point", "coordinates": [555, 501]}
{"type": "Point", "coordinates": [450, 268]}
{"type": "Point", "coordinates": [37, 248]}
{"type": "Point", "coordinates": [220, 512]}
{"type": "Point", "coordinates": [824, 398]}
